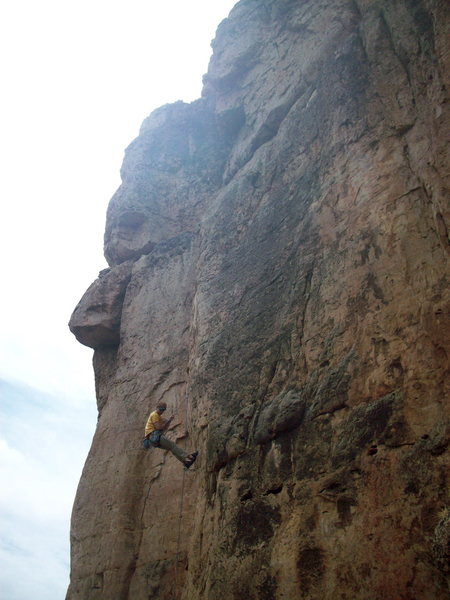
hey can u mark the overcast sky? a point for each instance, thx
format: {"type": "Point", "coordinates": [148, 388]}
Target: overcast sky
{"type": "Point", "coordinates": [77, 79]}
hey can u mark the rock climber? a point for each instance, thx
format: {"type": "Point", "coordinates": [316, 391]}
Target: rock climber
{"type": "Point", "coordinates": [154, 435]}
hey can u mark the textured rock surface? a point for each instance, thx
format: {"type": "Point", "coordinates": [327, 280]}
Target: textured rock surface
{"type": "Point", "coordinates": [95, 322]}
{"type": "Point", "coordinates": [279, 275]}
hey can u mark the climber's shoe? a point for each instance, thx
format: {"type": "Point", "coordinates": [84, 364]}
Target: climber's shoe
{"type": "Point", "coordinates": [190, 460]}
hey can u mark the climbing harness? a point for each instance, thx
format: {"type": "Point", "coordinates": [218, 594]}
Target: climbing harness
{"type": "Point", "coordinates": [153, 439]}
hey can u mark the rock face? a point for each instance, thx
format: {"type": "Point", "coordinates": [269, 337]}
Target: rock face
{"type": "Point", "coordinates": [279, 275]}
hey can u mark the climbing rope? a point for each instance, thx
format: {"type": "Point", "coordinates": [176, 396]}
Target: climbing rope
{"type": "Point", "coordinates": [180, 515]}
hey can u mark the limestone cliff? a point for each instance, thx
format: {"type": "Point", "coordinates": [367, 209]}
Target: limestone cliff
{"type": "Point", "coordinates": [279, 275]}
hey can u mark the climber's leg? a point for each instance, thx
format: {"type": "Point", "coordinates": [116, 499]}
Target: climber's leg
{"type": "Point", "coordinates": [191, 459]}
{"type": "Point", "coordinates": [176, 450]}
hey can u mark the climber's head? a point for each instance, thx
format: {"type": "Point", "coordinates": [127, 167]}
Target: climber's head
{"type": "Point", "coordinates": [161, 407]}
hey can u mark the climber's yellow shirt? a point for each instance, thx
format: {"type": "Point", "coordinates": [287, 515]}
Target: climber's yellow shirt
{"type": "Point", "coordinates": [153, 421]}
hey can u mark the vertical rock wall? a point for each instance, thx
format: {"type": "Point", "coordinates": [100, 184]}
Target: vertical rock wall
{"type": "Point", "coordinates": [279, 275]}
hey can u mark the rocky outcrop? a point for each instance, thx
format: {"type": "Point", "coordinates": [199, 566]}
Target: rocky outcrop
{"type": "Point", "coordinates": [279, 275]}
{"type": "Point", "coordinates": [95, 322]}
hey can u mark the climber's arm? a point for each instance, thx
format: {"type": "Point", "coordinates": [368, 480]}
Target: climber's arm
{"type": "Point", "coordinates": [161, 424]}
{"type": "Point", "coordinates": [167, 423]}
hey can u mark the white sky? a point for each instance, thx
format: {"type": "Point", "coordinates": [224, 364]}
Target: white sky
{"type": "Point", "coordinates": [77, 80]}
